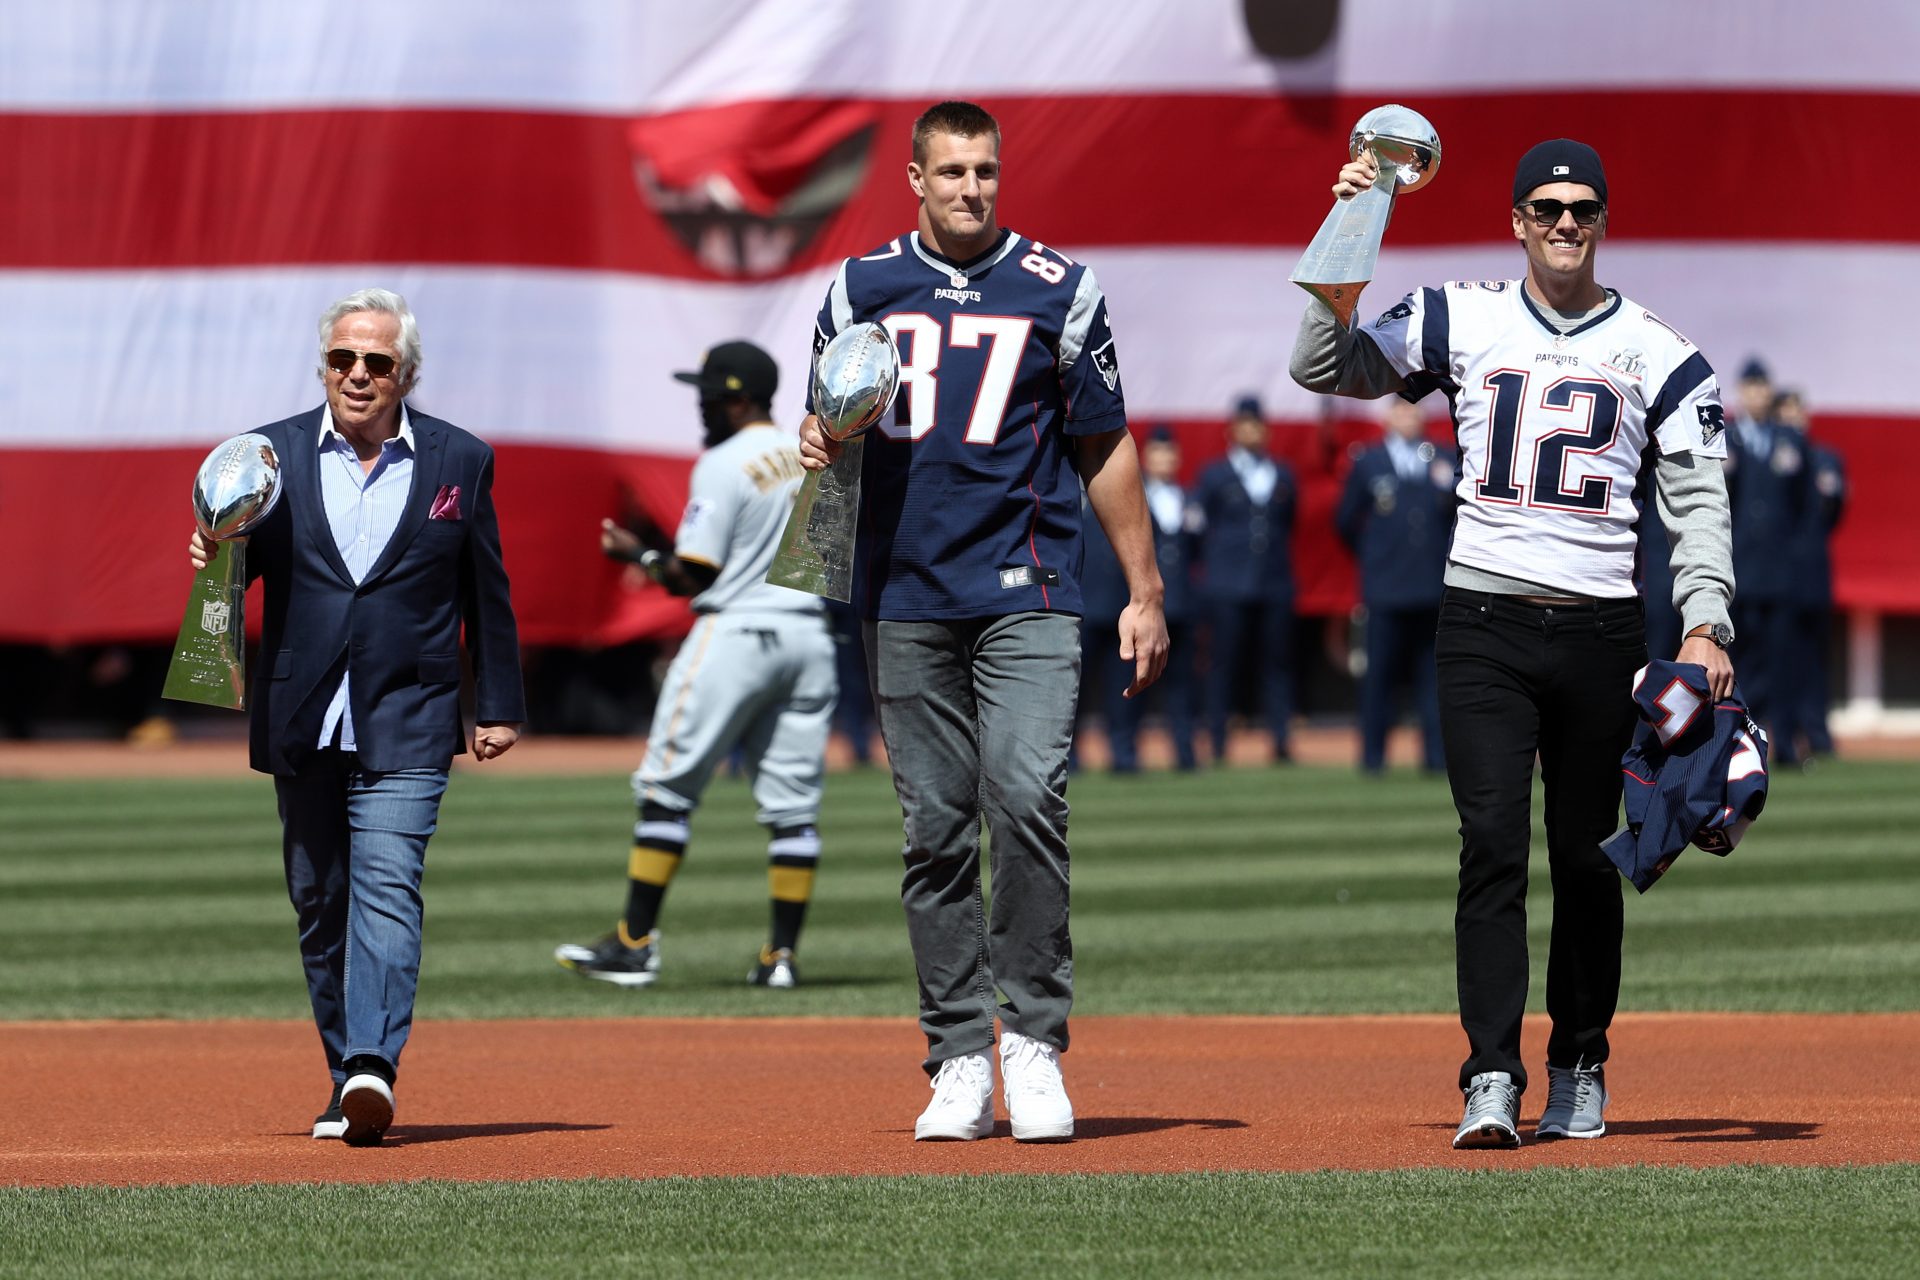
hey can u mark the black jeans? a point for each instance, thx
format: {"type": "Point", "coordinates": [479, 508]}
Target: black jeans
{"type": "Point", "coordinates": [1517, 680]}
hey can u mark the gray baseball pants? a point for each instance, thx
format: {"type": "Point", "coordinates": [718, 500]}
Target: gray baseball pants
{"type": "Point", "coordinates": [977, 715]}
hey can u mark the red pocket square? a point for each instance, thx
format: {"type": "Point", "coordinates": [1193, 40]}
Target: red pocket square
{"type": "Point", "coordinates": [447, 505]}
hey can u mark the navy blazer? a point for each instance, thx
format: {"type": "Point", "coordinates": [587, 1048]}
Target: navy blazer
{"type": "Point", "coordinates": [401, 626]}
{"type": "Point", "coordinates": [1246, 550]}
{"type": "Point", "coordinates": [1398, 529]}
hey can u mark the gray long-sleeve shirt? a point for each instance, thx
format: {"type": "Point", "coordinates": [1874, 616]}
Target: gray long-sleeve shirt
{"type": "Point", "coordinates": [1690, 493]}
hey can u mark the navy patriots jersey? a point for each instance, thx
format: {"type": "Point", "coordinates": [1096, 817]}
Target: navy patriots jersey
{"type": "Point", "coordinates": [1695, 774]}
{"type": "Point", "coordinates": [970, 500]}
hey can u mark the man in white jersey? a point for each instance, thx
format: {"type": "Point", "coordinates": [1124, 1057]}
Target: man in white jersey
{"type": "Point", "coordinates": [1569, 403]}
{"type": "Point", "coordinates": [756, 673]}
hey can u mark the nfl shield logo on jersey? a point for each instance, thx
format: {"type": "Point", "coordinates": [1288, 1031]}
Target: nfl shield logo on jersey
{"type": "Point", "coordinates": [213, 616]}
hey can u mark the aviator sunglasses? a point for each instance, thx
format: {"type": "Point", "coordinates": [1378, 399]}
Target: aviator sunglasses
{"type": "Point", "coordinates": [1547, 213]}
{"type": "Point", "coordinates": [379, 363]}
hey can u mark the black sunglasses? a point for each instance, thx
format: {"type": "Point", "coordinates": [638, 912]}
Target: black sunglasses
{"type": "Point", "coordinates": [379, 363]}
{"type": "Point", "coordinates": [1547, 213]}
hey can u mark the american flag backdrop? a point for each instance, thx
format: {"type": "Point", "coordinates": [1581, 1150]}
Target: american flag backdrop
{"type": "Point", "coordinates": [580, 196]}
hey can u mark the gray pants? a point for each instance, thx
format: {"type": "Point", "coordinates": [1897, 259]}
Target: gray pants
{"type": "Point", "coordinates": [977, 716]}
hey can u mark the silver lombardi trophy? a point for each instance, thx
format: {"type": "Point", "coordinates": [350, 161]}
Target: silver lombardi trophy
{"type": "Point", "coordinates": [854, 382]}
{"type": "Point", "coordinates": [1339, 262]}
{"type": "Point", "coordinates": [233, 492]}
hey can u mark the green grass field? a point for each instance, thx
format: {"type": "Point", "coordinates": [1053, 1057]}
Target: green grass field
{"type": "Point", "coordinates": [1243, 891]}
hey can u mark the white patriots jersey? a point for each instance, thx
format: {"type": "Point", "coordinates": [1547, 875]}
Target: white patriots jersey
{"type": "Point", "coordinates": [738, 501]}
{"type": "Point", "coordinates": [1553, 429]}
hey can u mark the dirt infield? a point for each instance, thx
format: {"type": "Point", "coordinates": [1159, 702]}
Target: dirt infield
{"type": "Point", "coordinates": [155, 1102]}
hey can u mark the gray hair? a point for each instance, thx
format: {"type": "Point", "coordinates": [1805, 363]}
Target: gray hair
{"type": "Point", "coordinates": [387, 302]}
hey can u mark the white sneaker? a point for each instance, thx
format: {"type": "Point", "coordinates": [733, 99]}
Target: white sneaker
{"type": "Point", "coordinates": [1036, 1095]}
{"type": "Point", "coordinates": [962, 1106]}
{"type": "Point", "coordinates": [366, 1104]}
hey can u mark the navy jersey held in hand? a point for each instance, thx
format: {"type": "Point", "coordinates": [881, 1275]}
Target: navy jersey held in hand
{"type": "Point", "coordinates": [1695, 774]}
{"type": "Point", "coordinates": [970, 499]}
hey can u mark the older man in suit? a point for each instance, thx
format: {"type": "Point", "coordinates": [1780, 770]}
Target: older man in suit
{"type": "Point", "coordinates": [383, 544]}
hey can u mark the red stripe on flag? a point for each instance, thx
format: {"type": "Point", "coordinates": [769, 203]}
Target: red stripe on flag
{"type": "Point", "coordinates": [121, 574]}
{"type": "Point", "coordinates": [200, 189]}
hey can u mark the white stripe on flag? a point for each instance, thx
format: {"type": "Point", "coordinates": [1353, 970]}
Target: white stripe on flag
{"type": "Point", "coordinates": [596, 55]}
{"type": "Point", "coordinates": [582, 359]}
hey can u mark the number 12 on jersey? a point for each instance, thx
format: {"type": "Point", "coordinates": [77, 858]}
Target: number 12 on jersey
{"type": "Point", "coordinates": [1005, 338]}
{"type": "Point", "coordinates": [1564, 402]}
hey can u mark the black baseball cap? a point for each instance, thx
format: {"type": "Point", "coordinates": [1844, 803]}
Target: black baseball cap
{"type": "Point", "coordinates": [1559, 160]}
{"type": "Point", "coordinates": [736, 369]}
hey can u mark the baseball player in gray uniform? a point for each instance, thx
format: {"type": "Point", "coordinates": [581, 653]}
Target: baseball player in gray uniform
{"type": "Point", "coordinates": [756, 673]}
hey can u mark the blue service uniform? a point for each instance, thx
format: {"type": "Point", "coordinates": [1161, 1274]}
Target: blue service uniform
{"type": "Point", "coordinates": [853, 713]}
{"type": "Point", "coordinates": [1802, 687]}
{"type": "Point", "coordinates": [1767, 489]}
{"type": "Point", "coordinates": [1103, 597]}
{"type": "Point", "coordinates": [1174, 545]}
{"type": "Point", "coordinates": [1656, 577]}
{"type": "Point", "coordinates": [1396, 515]}
{"type": "Point", "coordinates": [1246, 554]}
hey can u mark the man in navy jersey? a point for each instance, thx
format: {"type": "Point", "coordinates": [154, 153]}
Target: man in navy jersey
{"type": "Point", "coordinates": [969, 565]}
{"type": "Point", "coordinates": [1559, 389]}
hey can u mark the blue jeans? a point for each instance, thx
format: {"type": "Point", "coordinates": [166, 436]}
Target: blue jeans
{"type": "Point", "coordinates": [355, 844]}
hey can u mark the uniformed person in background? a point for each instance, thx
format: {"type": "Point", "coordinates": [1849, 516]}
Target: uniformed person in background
{"type": "Point", "coordinates": [1246, 551]}
{"type": "Point", "coordinates": [1176, 530]}
{"type": "Point", "coordinates": [1766, 487]}
{"type": "Point", "coordinates": [1395, 515]}
{"type": "Point", "coordinates": [1803, 691]}
{"type": "Point", "coordinates": [1104, 678]}
{"type": "Point", "coordinates": [1655, 575]}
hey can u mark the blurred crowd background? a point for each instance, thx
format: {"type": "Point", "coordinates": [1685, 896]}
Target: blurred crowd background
{"type": "Point", "coordinates": [579, 197]}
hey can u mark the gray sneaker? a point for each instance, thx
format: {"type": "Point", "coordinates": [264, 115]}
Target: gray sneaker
{"type": "Point", "coordinates": [1576, 1103]}
{"type": "Point", "coordinates": [1493, 1112]}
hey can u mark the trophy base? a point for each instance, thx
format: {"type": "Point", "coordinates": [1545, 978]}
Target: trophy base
{"type": "Point", "coordinates": [816, 549]}
{"type": "Point", "coordinates": [1340, 260]}
{"type": "Point", "coordinates": [1341, 299]}
{"type": "Point", "coordinates": [210, 656]}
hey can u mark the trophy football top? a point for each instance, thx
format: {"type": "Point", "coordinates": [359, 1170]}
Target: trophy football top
{"type": "Point", "coordinates": [855, 380]}
{"type": "Point", "coordinates": [1402, 140]}
{"type": "Point", "coordinates": [236, 486]}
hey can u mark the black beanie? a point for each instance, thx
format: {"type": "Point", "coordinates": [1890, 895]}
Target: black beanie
{"type": "Point", "coordinates": [1559, 160]}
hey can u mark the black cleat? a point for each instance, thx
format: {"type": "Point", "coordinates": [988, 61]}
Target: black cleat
{"type": "Point", "coordinates": [610, 960]}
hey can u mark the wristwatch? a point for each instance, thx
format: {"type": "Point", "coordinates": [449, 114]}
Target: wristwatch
{"type": "Point", "coordinates": [1719, 632]}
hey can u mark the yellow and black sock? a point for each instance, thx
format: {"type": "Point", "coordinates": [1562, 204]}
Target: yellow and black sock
{"type": "Point", "coordinates": [659, 842]}
{"type": "Point", "coordinates": [792, 857]}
